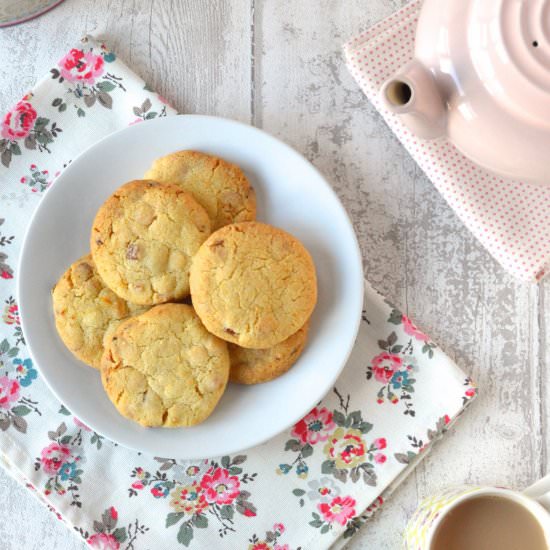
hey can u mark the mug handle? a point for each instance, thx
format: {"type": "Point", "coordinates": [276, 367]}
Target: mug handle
{"type": "Point", "coordinates": [540, 491]}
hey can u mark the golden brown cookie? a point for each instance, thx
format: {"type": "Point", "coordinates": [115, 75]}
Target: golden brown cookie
{"type": "Point", "coordinates": [86, 311]}
{"type": "Point", "coordinates": [163, 368]}
{"type": "Point", "coordinates": [219, 186]}
{"type": "Point", "coordinates": [254, 366]}
{"type": "Point", "coordinates": [143, 238]}
{"type": "Point", "coordinates": [253, 284]}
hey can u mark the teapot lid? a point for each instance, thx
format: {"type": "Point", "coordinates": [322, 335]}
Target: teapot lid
{"type": "Point", "coordinates": [509, 45]}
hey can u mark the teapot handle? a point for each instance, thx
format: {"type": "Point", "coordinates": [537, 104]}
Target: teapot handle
{"type": "Point", "coordinates": [540, 491]}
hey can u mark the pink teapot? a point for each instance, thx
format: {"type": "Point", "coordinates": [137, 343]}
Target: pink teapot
{"type": "Point", "coordinates": [481, 78]}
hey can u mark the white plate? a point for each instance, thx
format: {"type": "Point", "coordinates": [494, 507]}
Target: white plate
{"type": "Point", "coordinates": [290, 193]}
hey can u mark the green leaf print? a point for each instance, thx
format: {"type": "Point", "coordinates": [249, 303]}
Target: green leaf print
{"type": "Point", "coordinates": [173, 517]}
{"type": "Point", "coordinates": [185, 534]}
{"type": "Point", "coordinates": [21, 410]}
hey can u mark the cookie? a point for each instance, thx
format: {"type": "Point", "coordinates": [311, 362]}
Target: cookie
{"type": "Point", "coordinates": [254, 366]}
{"type": "Point", "coordinates": [163, 368]}
{"type": "Point", "coordinates": [143, 238]}
{"type": "Point", "coordinates": [86, 311]}
{"type": "Point", "coordinates": [219, 186]}
{"type": "Point", "coordinates": [253, 284]}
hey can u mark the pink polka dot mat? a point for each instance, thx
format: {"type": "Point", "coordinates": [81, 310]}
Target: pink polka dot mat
{"type": "Point", "coordinates": [510, 218]}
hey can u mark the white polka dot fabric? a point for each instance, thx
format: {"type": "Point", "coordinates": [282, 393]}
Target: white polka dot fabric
{"type": "Point", "coordinates": [510, 218]}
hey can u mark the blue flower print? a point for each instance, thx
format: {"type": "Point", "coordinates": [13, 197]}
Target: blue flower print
{"type": "Point", "coordinates": [399, 379]}
{"type": "Point", "coordinates": [67, 471]}
{"type": "Point", "coordinates": [25, 371]}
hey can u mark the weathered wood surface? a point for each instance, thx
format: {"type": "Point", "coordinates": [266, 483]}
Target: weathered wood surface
{"type": "Point", "coordinates": [278, 65]}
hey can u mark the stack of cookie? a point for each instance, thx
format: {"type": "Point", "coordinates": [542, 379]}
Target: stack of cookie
{"type": "Point", "coordinates": [187, 229]}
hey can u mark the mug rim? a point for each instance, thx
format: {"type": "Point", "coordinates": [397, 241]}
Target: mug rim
{"type": "Point", "coordinates": [541, 514]}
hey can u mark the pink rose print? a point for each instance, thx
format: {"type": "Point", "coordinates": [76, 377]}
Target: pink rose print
{"type": "Point", "coordinates": [380, 443]}
{"type": "Point", "coordinates": [22, 127]}
{"type": "Point", "coordinates": [339, 510]}
{"type": "Point", "coordinates": [279, 528]}
{"type": "Point", "coordinates": [384, 365]}
{"type": "Point", "coordinates": [220, 487]}
{"type": "Point", "coordinates": [199, 494]}
{"type": "Point", "coordinates": [412, 330]}
{"type": "Point", "coordinates": [18, 122]}
{"type": "Point", "coordinates": [103, 541]}
{"type": "Point", "coordinates": [61, 461]}
{"type": "Point", "coordinates": [107, 535]}
{"type": "Point", "coordinates": [260, 546]}
{"type": "Point", "coordinates": [314, 427]}
{"type": "Point", "coordinates": [394, 369]}
{"type": "Point", "coordinates": [53, 456]}
{"type": "Point", "coordinates": [347, 453]}
{"type": "Point", "coordinates": [379, 458]}
{"type": "Point", "coordinates": [9, 391]}
{"type": "Point", "coordinates": [78, 66]}
{"type": "Point", "coordinates": [281, 547]}
{"type": "Point", "coordinates": [85, 78]}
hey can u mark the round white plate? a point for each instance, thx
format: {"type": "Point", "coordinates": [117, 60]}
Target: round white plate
{"type": "Point", "coordinates": [290, 193]}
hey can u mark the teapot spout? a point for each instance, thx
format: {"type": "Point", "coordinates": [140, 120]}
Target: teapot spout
{"type": "Point", "coordinates": [414, 96]}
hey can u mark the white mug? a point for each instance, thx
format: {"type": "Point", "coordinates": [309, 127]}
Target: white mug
{"type": "Point", "coordinates": [420, 531]}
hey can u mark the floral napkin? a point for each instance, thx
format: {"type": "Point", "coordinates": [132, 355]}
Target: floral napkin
{"type": "Point", "coordinates": [312, 486]}
{"type": "Point", "coordinates": [511, 219]}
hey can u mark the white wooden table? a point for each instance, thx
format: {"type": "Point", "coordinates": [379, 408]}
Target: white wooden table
{"type": "Point", "coordinates": [278, 64]}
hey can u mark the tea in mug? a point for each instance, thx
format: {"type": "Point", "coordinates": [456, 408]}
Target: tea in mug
{"type": "Point", "coordinates": [489, 523]}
